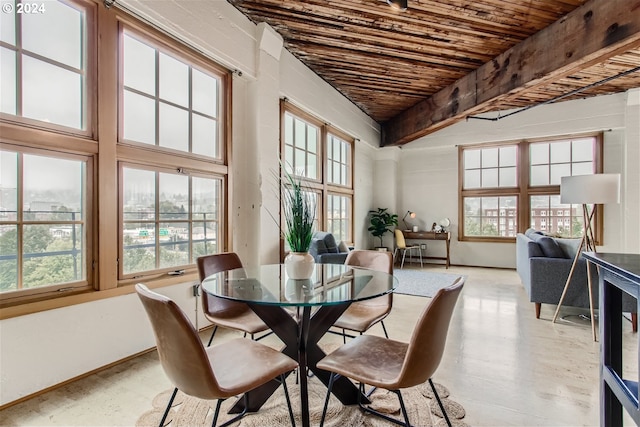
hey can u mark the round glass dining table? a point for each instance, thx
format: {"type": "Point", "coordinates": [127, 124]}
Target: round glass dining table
{"type": "Point", "coordinates": [268, 291]}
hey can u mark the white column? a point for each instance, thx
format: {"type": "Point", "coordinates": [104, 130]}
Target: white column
{"type": "Point", "coordinates": [267, 107]}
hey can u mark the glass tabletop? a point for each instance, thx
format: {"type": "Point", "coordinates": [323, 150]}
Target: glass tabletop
{"type": "Point", "coordinates": [329, 284]}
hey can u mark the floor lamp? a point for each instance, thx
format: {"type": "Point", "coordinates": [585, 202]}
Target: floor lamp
{"type": "Point", "coordinates": [587, 190]}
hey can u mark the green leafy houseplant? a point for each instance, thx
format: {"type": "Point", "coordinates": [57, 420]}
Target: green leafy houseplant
{"type": "Point", "coordinates": [381, 222]}
{"type": "Point", "coordinates": [299, 208]}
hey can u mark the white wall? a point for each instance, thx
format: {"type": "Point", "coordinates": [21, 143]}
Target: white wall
{"type": "Point", "coordinates": [43, 349]}
{"type": "Point", "coordinates": [428, 169]}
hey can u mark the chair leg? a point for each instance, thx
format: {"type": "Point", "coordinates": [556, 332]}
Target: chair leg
{"type": "Point", "coordinates": [215, 415]}
{"type": "Point", "coordinates": [404, 254]}
{"type": "Point", "coordinates": [384, 329]}
{"type": "Point", "coordinates": [332, 378]}
{"type": "Point", "coordinates": [344, 336]}
{"type": "Point", "coordinates": [166, 411]}
{"type": "Point", "coordinates": [215, 328]}
{"type": "Point", "coordinates": [245, 397]}
{"type": "Point", "coordinates": [365, 408]}
{"type": "Point", "coordinates": [283, 380]}
{"type": "Point", "coordinates": [403, 408]}
{"type": "Point", "coordinates": [435, 392]}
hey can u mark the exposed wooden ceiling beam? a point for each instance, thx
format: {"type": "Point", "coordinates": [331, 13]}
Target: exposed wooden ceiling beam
{"type": "Point", "coordinates": [591, 33]}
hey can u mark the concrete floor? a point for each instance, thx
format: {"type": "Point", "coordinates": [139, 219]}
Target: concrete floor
{"type": "Point", "coordinates": [504, 366]}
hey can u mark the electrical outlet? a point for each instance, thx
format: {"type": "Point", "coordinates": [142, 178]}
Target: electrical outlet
{"type": "Point", "coordinates": [196, 290]}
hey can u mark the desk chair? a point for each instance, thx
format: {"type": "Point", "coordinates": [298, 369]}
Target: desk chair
{"type": "Point", "coordinates": [362, 315]}
{"type": "Point", "coordinates": [223, 312]}
{"type": "Point", "coordinates": [395, 365]}
{"type": "Point", "coordinates": [401, 245]}
{"type": "Point", "coordinates": [225, 370]}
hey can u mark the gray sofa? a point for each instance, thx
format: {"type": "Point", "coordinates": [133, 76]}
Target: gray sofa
{"type": "Point", "coordinates": [324, 249]}
{"type": "Point", "coordinates": [543, 264]}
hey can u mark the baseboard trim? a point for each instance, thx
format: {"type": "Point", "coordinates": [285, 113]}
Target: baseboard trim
{"type": "Point", "coordinates": [81, 376]}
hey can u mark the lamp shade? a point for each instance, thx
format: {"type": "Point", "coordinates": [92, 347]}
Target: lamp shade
{"type": "Point", "coordinates": [590, 189]}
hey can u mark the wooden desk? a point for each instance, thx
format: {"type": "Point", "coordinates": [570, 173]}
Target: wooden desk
{"type": "Point", "coordinates": [431, 235]}
{"type": "Point", "coordinates": [618, 273]}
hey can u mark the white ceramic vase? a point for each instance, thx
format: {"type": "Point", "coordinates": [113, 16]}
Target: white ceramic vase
{"type": "Point", "coordinates": [299, 265]}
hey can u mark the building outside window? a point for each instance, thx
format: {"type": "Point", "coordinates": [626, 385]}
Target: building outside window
{"type": "Point", "coordinates": [171, 105]}
{"type": "Point", "coordinates": [144, 146]}
{"type": "Point", "coordinates": [522, 180]}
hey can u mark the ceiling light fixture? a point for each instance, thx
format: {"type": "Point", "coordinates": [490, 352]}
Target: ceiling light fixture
{"type": "Point", "coordinates": [398, 4]}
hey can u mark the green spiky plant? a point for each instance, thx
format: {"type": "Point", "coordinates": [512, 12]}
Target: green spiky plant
{"type": "Point", "coordinates": [299, 209]}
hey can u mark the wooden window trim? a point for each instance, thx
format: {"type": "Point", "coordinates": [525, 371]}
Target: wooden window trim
{"type": "Point", "coordinates": [100, 142]}
{"type": "Point", "coordinates": [55, 290]}
{"type": "Point", "coordinates": [523, 191]}
{"type": "Point", "coordinates": [89, 91]}
{"type": "Point", "coordinates": [321, 185]}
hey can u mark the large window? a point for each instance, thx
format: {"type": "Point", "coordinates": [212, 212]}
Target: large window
{"type": "Point", "coordinates": [509, 187]}
{"type": "Point", "coordinates": [170, 215]}
{"type": "Point", "coordinates": [43, 221]}
{"type": "Point", "coordinates": [131, 166]}
{"type": "Point", "coordinates": [322, 157]}
{"type": "Point", "coordinates": [44, 64]}
{"type": "Point", "coordinates": [169, 219]}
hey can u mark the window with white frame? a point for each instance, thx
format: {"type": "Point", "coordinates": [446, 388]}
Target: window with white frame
{"type": "Point", "coordinates": [322, 157]}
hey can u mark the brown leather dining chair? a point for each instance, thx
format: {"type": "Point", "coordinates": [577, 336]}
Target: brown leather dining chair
{"type": "Point", "coordinates": [362, 315]}
{"type": "Point", "coordinates": [223, 312]}
{"type": "Point", "coordinates": [217, 372]}
{"type": "Point", "coordinates": [394, 365]}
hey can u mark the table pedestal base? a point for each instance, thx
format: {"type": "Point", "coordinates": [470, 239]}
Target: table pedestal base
{"type": "Point", "coordinates": [301, 344]}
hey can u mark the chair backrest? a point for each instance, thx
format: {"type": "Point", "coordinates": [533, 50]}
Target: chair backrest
{"type": "Point", "coordinates": [211, 264]}
{"type": "Point", "coordinates": [374, 260]}
{"type": "Point", "coordinates": [215, 263]}
{"type": "Point", "coordinates": [181, 352]}
{"type": "Point", "coordinates": [429, 337]}
{"type": "Point", "coordinates": [400, 242]}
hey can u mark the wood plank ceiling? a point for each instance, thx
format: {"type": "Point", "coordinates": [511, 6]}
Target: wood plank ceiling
{"type": "Point", "coordinates": [415, 71]}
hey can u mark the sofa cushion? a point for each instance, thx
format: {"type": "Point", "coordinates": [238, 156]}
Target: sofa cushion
{"type": "Point", "coordinates": [330, 243]}
{"type": "Point", "coordinates": [531, 231]}
{"type": "Point", "coordinates": [534, 250]}
{"type": "Point", "coordinates": [550, 247]}
{"type": "Point", "coordinates": [319, 246]}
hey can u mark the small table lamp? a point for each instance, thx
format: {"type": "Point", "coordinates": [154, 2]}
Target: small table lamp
{"type": "Point", "coordinates": [587, 190]}
{"type": "Point", "coordinates": [411, 215]}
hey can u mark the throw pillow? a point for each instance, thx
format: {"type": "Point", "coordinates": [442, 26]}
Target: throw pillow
{"type": "Point", "coordinates": [342, 247]}
{"type": "Point", "coordinates": [550, 247]}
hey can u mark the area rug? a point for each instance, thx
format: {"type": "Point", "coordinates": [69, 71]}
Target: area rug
{"type": "Point", "coordinates": [420, 283]}
{"type": "Point", "coordinates": [421, 406]}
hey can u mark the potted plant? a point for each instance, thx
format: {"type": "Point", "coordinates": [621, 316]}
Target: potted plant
{"type": "Point", "coordinates": [299, 211]}
{"type": "Point", "coordinates": [381, 222]}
